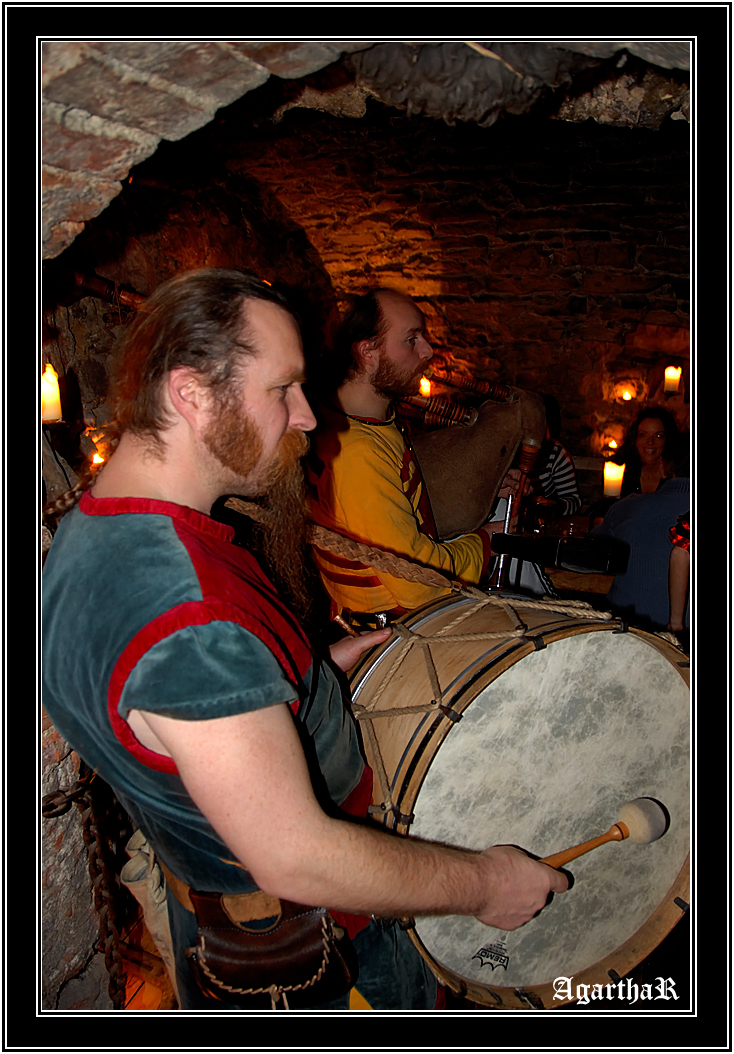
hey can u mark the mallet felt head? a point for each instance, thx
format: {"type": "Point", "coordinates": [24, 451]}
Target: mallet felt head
{"type": "Point", "coordinates": [645, 819]}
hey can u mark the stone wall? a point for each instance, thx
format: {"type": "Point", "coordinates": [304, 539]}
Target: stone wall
{"type": "Point", "coordinates": [108, 103]}
{"type": "Point", "coordinates": [546, 255]}
{"type": "Point", "coordinates": [74, 975]}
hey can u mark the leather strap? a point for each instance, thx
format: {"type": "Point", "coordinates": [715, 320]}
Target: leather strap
{"type": "Point", "coordinates": [239, 907]}
{"type": "Point", "coordinates": [179, 888]}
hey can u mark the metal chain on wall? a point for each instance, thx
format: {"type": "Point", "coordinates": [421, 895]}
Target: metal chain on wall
{"type": "Point", "coordinates": [106, 828]}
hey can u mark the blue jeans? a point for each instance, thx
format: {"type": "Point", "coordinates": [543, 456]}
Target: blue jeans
{"type": "Point", "coordinates": [392, 974]}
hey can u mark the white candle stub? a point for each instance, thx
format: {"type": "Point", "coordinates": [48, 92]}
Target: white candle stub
{"type": "Point", "coordinates": [613, 479]}
{"type": "Point", "coordinates": [50, 398]}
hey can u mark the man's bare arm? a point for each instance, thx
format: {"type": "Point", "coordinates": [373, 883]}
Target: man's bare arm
{"type": "Point", "coordinates": [678, 573]}
{"type": "Point", "coordinates": [248, 775]}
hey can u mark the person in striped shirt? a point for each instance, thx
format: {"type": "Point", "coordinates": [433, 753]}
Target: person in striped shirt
{"type": "Point", "coordinates": [556, 477]}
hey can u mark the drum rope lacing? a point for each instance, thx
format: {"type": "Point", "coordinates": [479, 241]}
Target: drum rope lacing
{"type": "Point", "coordinates": [401, 567]}
{"type": "Point", "coordinates": [409, 639]}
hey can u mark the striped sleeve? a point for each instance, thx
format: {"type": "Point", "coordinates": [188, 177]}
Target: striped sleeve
{"type": "Point", "coordinates": [558, 480]}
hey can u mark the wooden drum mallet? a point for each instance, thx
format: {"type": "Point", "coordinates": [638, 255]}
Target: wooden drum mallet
{"type": "Point", "coordinates": [642, 821]}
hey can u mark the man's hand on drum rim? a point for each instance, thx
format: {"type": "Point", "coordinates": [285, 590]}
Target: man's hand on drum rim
{"type": "Point", "coordinates": [518, 887]}
{"type": "Point", "coordinates": [347, 651]}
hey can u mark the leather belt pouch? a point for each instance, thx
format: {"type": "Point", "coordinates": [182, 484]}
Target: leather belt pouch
{"type": "Point", "coordinates": [252, 945]}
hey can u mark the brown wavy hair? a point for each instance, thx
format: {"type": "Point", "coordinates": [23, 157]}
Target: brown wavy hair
{"type": "Point", "coordinates": [195, 320]}
{"type": "Point", "coordinates": [363, 321]}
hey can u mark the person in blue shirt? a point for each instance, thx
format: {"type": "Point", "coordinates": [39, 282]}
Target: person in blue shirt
{"type": "Point", "coordinates": [642, 521]}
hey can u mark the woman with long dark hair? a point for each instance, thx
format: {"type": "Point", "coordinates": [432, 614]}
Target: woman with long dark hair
{"type": "Point", "coordinates": [649, 451]}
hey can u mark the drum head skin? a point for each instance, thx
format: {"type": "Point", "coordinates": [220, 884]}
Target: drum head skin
{"type": "Point", "coordinates": [544, 757]}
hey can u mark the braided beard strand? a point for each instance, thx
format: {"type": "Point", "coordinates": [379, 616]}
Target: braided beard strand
{"type": "Point", "coordinates": [281, 535]}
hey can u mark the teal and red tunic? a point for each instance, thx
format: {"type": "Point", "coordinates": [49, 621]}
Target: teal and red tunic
{"type": "Point", "coordinates": [149, 605]}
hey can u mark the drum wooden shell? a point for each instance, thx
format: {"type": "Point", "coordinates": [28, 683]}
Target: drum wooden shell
{"type": "Point", "coordinates": [558, 728]}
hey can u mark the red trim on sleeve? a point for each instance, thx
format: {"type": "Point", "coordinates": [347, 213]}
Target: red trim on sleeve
{"type": "Point", "coordinates": [192, 613]}
{"type": "Point", "coordinates": [229, 573]}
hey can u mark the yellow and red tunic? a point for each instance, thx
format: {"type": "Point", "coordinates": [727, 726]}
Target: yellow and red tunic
{"type": "Point", "coordinates": [365, 483]}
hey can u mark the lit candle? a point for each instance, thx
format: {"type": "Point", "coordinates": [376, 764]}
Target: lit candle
{"type": "Point", "coordinates": [612, 479]}
{"type": "Point", "coordinates": [672, 378]}
{"type": "Point", "coordinates": [50, 398]}
{"type": "Point", "coordinates": [425, 386]}
{"type": "Point", "coordinates": [625, 391]}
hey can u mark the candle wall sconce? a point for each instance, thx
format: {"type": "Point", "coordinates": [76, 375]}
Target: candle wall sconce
{"type": "Point", "coordinates": [626, 391]}
{"type": "Point", "coordinates": [668, 379]}
{"type": "Point", "coordinates": [611, 434]}
{"type": "Point", "coordinates": [56, 473]}
{"type": "Point", "coordinates": [96, 445]}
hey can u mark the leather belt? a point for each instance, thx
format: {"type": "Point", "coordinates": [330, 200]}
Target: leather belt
{"type": "Point", "coordinates": [240, 907]}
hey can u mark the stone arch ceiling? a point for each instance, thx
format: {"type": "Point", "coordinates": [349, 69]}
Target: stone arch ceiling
{"type": "Point", "coordinates": [107, 104]}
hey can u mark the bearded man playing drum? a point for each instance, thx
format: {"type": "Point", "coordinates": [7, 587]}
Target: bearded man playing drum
{"type": "Point", "coordinates": [364, 478]}
{"type": "Point", "coordinates": [175, 669]}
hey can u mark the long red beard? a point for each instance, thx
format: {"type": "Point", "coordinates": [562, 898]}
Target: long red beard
{"type": "Point", "coordinates": [282, 533]}
{"type": "Point", "coordinates": [280, 536]}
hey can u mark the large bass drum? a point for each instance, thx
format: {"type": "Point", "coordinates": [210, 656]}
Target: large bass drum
{"type": "Point", "coordinates": [509, 721]}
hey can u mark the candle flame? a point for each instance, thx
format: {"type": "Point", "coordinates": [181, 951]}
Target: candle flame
{"type": "Point", "coordinates": [625, 391]}
{"type": "Point", "coordinates": [613, 443]}
{"type": "Point", "coordinates": [425, 386]}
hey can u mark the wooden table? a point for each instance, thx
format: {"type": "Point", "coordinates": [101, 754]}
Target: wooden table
{"type": "Point", "coordinates": [571, 581]}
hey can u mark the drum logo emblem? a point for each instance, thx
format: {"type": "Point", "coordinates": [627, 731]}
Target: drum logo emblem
{"type": "Point", "coordinates": [494, 954]}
